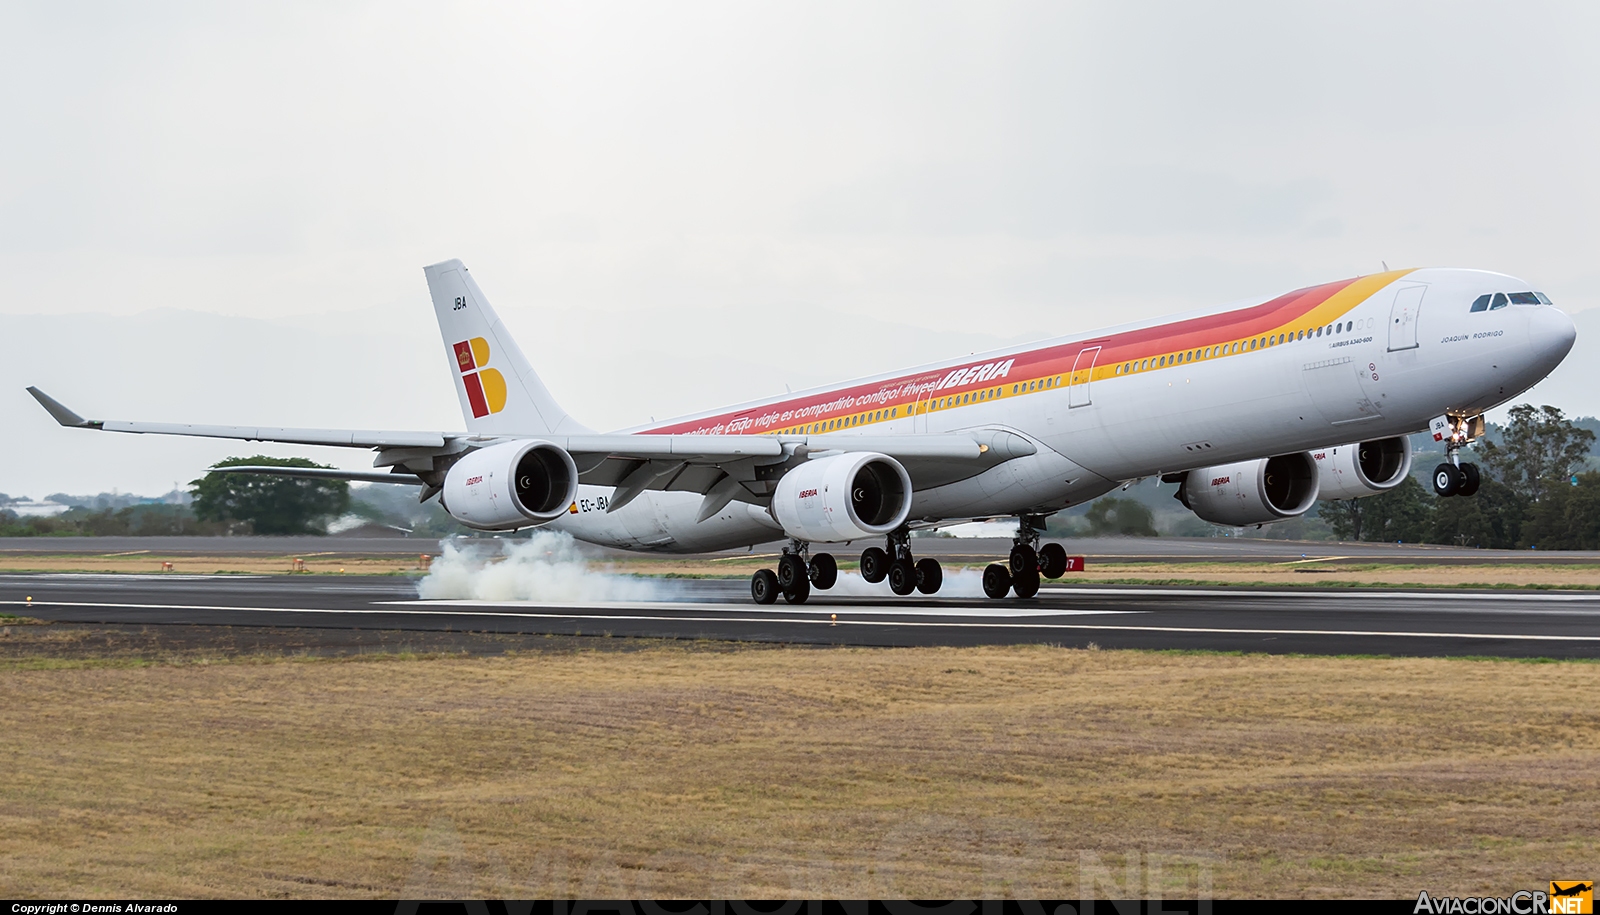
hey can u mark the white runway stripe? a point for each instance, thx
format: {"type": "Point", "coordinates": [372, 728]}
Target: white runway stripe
{"type": "Point", "coordinates": [818, 621]}
{"type": "Point", "coordinates": [1312, 593]}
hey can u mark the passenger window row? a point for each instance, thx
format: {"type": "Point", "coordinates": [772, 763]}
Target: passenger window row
{"type": "Point", "coordinates": [1228, 349]}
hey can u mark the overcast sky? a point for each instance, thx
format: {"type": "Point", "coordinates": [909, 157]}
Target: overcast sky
{"type": "Point", "coordinates": [679, 204]}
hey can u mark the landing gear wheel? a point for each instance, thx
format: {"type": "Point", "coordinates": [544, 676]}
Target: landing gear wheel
{"type": "Point", "coordinates": [874, 564]}
{"type": "Point", "coordinates": [929, 576]}
{"type": "Point", "coordinates": [1027, 584]}
{"type": "Point", "coordinates": [1470, 478]}
{"type": "Point", "coordinates": [1446, 480]}
{"type": "Point", "coordinates": [996, 581]}
{"type": "Point", "coordinates": [824, 571]}
{"type": "Point", "coordinates": [798, 592]}
{"type": "Point", "coordinates": [1052, 560]}
{"type": "Point", "coordinates": [1023, 560]}
{"type": "Point", "coordinates": [902, 577]}
{"type": "Point", "coordinates": [764, 587]}
{"type": "Point", "coordinates": [791, 568]}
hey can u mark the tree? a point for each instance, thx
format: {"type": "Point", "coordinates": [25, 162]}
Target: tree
{"type": "Point", "coordinates": [1401, 513]}
{"type": "Point", "coordinates": [1344, 516]}
{"type": "Point", "coordinates": [1539, 449]}
{"type": "Point", "coordinates": [270, 504]}
{"type": "Point", "coordinates": [1491, 519]}
{"type": "Point", "coordinates": [1120, 516]}
{"type": "Point", "coordinates": [1567, 518]}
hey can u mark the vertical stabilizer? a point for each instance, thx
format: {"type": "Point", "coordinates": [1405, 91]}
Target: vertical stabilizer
{"type": "Point", "coordinates": [499, 391]}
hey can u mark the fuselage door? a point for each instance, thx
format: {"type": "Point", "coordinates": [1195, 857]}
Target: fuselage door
{"type": "Point", "coordinates": [1403, 317]}
{"type": "Point", "coordinates": [1082, 374]}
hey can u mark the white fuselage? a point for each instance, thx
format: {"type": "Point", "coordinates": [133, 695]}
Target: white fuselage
{"type": "Point", "coordinates": [1351, 361]}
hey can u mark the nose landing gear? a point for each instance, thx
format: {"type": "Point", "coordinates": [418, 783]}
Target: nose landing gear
{"type": "Point", "coordinates": [1454, 478]}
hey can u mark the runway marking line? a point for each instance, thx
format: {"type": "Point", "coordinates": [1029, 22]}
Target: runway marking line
{"type": "Point", "coordinates": [1390, 594]}
{"type": "Point", "coordinates": [1096, 627]}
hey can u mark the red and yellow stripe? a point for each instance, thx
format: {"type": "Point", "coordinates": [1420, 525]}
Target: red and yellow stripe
{"type": "Point", "coordinates": [1233, 333]}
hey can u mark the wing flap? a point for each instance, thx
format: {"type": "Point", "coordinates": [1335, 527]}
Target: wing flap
{"type": "Point", "coordinates": [323, 473]}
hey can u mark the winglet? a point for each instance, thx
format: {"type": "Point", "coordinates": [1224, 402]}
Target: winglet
{"type": "Point", "coordinates": [63, 415]}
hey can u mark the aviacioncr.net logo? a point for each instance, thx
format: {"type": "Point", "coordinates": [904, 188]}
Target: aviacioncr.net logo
{"type": "Point", "coordinates": [486, 387]}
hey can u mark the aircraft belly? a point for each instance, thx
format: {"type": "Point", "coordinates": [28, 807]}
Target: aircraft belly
{"type": "Point", "coordinates": [1046, 479]}
{"type": "Point", "coordinates": [665, 522]}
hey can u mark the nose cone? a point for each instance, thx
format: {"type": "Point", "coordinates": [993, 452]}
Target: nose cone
{"type": "Point", "coordinates": [1550, 334]}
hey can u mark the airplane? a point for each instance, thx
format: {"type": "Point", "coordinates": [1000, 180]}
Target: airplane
{"type": "Point", "coordinates": [1255, 411]}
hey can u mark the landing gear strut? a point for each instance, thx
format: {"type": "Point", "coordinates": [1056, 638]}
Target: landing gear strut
{"type": "Point", "coordinates": [1027, 562]}
{"type": "Point", "coordinates": [795, 577]}
{"type": "Point", "coordinates": [1454, 478]}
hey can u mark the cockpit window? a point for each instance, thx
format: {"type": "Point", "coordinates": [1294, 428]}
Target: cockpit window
{"type": "Point", "coordinates": [1544, 298]}
{"type": "Point", "coordinates": [1481, 303]}
{"type": "Point", "coordinates": [1499, 301]}
{"type": "Point", "coordinates": [1524, 298]}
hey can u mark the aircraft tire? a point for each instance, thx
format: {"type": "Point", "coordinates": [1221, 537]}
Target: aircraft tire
{"type": "Point", "coordinates": [996, 581]}
{"type": "Point", "coordinates": [799, 592]}
{"type": "Point", "coordinates": [824, 571]}
{"type": "Point", "coordinates": [1023, 560]}
{"type": "Point", "coordinates": [1446, 480]}
{"type": "Point", "coordinates": [1052, 560]}
{"type": "Point", "coordinates": [1470, 478]}
{"type": "Point", "coordinates": [764, 587]}
{"type": "Point", "coordinates": [902, 577]}
{"type": "Point", "coordinates": [874, 564]}
{"type": "Point", "coordinates": [930, 577]}
{"type": "Point", "coordinates": [1027, 584]}
{"type": "Point", "coordinates": [791, 568]}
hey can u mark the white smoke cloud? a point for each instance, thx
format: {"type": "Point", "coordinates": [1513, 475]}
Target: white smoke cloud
{"type": "Point", "coordinates": [546, 568]}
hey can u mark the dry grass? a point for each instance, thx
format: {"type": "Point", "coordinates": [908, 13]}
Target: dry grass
{"type": "Point", "coordinates": [684, 772]}
{"type": "Point", "coordinates": [1322, 574]}
{"type": "Point", "coordinates": [145, 561]}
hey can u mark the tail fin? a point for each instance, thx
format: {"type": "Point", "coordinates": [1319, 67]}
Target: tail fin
{"type": "Point", "coordinates": [499, 391]}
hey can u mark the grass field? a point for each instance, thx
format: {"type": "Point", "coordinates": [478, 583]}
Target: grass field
{"type": "Point", "coordinates": [706, 769]}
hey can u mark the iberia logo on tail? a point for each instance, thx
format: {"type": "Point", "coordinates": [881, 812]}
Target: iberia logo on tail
{"type": "Point", "coordinates": [486, 387]}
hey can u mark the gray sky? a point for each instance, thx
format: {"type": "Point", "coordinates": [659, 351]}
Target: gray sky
{"type": "Point", "coordinates": [682, 204]}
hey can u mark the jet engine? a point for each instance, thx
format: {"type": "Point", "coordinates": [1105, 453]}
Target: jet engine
{"type": "Point", "coordinates": [847, 496]}
{"type": "Point", "coordinates": [1363, 468]}
{"type": "Point", "coordinates": [1252, 492]}
{"type": "Point", "coordinates": [509, 486]}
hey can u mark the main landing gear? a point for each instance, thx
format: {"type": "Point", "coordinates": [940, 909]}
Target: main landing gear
{"type": "Point", "coordinates": [905, 572]}
{"type": "Point", "coordinates": [795, 577]}
{"type": "Point", "coordinates": [1453, 478]}
{"type": "Point", "coordinates": [1027, 563]}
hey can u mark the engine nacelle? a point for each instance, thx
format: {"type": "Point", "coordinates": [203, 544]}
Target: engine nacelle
{"type": "Point", "coordinates": [1252, 492]}
{"type": "Point", "coordinates": [847, 496]}
{"type": "Point", "coordinates": [1363, 468]}
{"type": "Point", "coordinates": [509, 486]}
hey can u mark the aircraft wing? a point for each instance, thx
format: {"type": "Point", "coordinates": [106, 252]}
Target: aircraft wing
{"type": "Point", "coordinates": [336, 437]}
{"type": "Point", "coordinates": [631, 462]}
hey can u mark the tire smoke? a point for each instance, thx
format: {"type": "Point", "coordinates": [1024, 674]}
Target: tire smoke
{"type": "Point", "coordinates": [546, 568]}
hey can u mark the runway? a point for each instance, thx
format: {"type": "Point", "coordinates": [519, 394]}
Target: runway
{"type": "Point", "coordinates": [1334, 621]}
